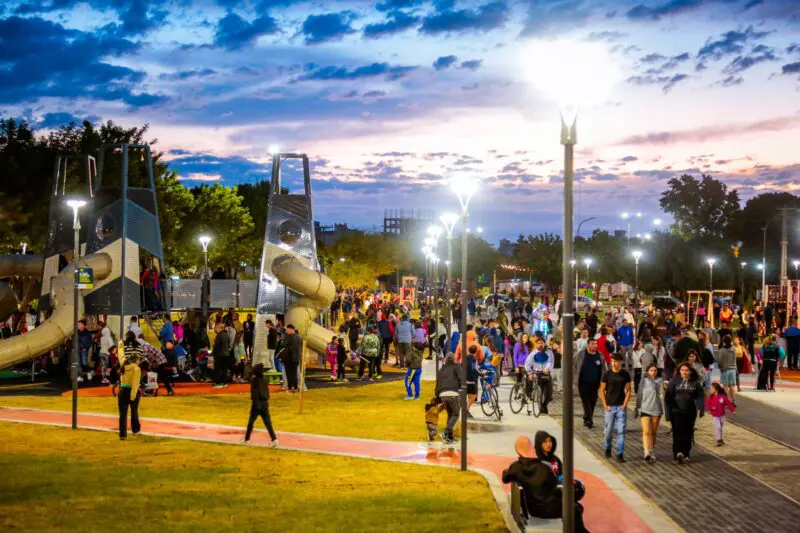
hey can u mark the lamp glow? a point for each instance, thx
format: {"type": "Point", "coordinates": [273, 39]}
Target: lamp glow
{"type": "Point", "coordinates": [435, 231]}
{"type": "Point", "coordinates": [464, 189]}
{"type": "Point", "coordinates": [572, 262]}
{"type": "Point", "coordinates": [587, 261]}
{"type": "Point", "coordinates": [449, 221]}
{"type": "Point", "coordinates": [637, 254]}
{"type": "Point", "coordinates": [274, 150]}
{"type": "Point", "coordinates": [204, 240]}
{"type": "Point", "coordinates": [625, 216]}
{"type": "Point", "coordinates": [711, 261]}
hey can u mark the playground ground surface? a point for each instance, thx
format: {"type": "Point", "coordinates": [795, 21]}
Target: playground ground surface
{"type": "Point", "coordinates": [62, 480]}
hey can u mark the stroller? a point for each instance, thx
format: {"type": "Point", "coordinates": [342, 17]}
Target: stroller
{"type": "Point", "coordinates": [150, 388]}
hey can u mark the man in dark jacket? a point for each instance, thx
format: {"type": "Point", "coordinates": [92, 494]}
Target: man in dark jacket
{"type": "Point", "coordinates": [539, 484]}
{"type": "Point", "coordinates": [293, 354]}
{"type": "Point", "coordinates": [259, 404]}
{"type": "Point", "coordinates": [589, 366]}
{"type": "Point", "coordinates": [386, 331]}
{"type": "Point", "coordinates": [221, 355]}
{"type": "Point", "coordinates": [449, 382]}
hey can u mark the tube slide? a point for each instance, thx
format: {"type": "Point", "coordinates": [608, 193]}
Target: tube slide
{"type": "Point", "coordinates": [58, 328]}
{"type": "Point", "coordinates": [318, 292]}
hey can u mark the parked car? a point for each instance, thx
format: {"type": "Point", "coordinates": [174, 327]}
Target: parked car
{"type": "Point", "coordinates": [666, 303]}
{"type": "Point", "coordinates": [584, 303]}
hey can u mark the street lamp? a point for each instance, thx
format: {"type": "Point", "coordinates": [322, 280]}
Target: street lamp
{"type": "Point", "coordinates": [572, 73]}
{"type": "Point", "coordinates": [75, 204]}
{"type": "Point", "coordinates": [627, 218]}
{"type": "Point", "coordinates": [572, 263]}
{"type": "Point", "coordinates": [637, 254]}
{"type": "Point", "coordinates": [743, 264]}
{"type": "Point", "coordinates": [448, 220]}
{"type": "Point", "coordinates": [647, 236]}
{"type": "Point", "coordinates": [796, 264]}
{"type": "Point", "coordinates": [464, 189]}
{"type": "Point", "coordinates": [711, 262]}
{"type": "Point", "coordinates": [341, 259]}
{"type": "Point", "coordinates": [588, 262]}
{"type": "Point", "coordinates": [435, 231]}
{"type": "Point", "coordinates": [479, 229]}
{"type": "Point", "coordinates": [204, 240]}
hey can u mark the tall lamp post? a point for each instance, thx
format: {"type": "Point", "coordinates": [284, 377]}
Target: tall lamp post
{"type": "Point", "coordinates": [711, 262]}
{"type": "Point", "coordinates": [464, 190]}
{"type": "Point", "coordinates": [574, 74]}
{"type": "Point", "coordinates": [627, 218]}
{"type": "Point", "coordinates": [204, 240]}
{"type": "Point", "coordinates": [588, 262]}
{"type": "Point", "coordinates": [75, 204]}
{"type": "Point", "coordinates": [796, 264]}
{"type": "Point", "coordinates": [637, 254]}
{"type": "Point", "coordinates": [448, 220]}
{"type": "Point", "coordinates": [435, 232]}
{"type": "Point", "coordinates": [572, 263]}
{"type": "Point", "coordinates": [743, 264]}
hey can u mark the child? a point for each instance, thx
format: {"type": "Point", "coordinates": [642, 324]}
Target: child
{"type": "Point", "coordinates": [716, 403]}
{"type": "Point", "coordinates": [332, 355]}
{"type": "Point", "coordinates": [341, 359]}
{"type": "Point", "coordinates": [432, 411]}
{"type": "Point", "coordinates": [240, 356]}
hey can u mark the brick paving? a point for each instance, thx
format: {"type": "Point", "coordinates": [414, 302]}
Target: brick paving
{"type": "Point", "coordinates": [709, 494]}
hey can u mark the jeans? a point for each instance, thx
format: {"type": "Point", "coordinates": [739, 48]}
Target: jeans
{"type": "Point", "coordinates": [616, 422]}
{"type": "Point", "coordinates": [452, 404]}
{"type": "Point", "coordinates": [84, 357]}
{"type": "Point", "coordinates": [793, 356]}
{"type": "Point", "coordinates": [260, 410]}
{"type": "Point", "coordinates": [413, 376]}
{"type": "Point", "coordinates": [402, 349]}
{"type": "Point", "coordinates": [766, 377]}
{"type": "Point", "coordinates": [124, 401]}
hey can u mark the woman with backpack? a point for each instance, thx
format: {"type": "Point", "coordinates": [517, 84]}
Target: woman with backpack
{"type": "Point", "coordinates": [771, 356]}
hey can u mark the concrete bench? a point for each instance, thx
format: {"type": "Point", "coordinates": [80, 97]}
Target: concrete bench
{"type": "Point", "coordinates": [528, 523]}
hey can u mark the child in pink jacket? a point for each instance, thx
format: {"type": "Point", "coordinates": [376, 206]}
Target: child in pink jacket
{"type": "Point", "coordinates": [331, 351]}
{"type": "Point", "coordinates": [716, 403]}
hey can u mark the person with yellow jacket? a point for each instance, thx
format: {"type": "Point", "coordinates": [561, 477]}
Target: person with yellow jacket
{"type": "Point", "coordinates": [130, 379]}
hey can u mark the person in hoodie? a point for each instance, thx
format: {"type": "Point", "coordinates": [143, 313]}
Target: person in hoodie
{"type": "Point", "coordinates": [626, 345]}
{"type": "Point", "coordinates": [106, 343]}
{"type": "Point", "coordinates": [539, 366]}
{"type": "Point", "coordinates": [716, 403]}
{"type": "Point", "coordinates": [259, 405]}
{"type": "Point", "coordinates": [472, 340]}
{"type": "Point", "coordinates": [85, 342]}
{"type": "Point", "coordinates": [683, 400]}
{"type": "Point", "coordinates": [522, 349]}
{"type": "Point", "coordinates": [539, 484]}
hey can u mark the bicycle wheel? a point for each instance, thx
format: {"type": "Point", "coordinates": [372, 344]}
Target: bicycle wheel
{"type": "Point", "coordinates": [536, 400]}
{"type": "Point", "coordinates": [495, 399]}
{"type": "Point", "coordinates": [487, 405]}
{"type": "Point", "coordinates": [517, 398]}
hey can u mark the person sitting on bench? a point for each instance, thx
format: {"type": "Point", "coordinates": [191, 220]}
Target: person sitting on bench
{"type": "Point", "coordinates": [540, 489]}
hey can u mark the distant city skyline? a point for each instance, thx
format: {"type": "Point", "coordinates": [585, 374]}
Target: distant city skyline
{"type": "Point", "coordinates": [390, 98]}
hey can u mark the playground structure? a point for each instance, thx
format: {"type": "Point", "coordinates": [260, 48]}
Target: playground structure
{"type": "Point", "coordinates": [120, 232]}
{"type": "Point", "coordinates": [785, 299]}
{"type": "Point", "coordinates": [709, 296]}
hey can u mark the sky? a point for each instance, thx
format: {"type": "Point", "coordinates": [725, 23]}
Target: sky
{"type": "Point", "coordinates": [393, 98]}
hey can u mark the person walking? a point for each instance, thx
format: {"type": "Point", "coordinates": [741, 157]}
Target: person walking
{"type": "Point", "coordinates": [370, 354]}
{"type": "Point", "coordinates": [792, 336]}
{"type": "Point", "coordinates": [249, 329]}
{"type": "Point", "coordinates": [413, 374]}
{"type": "Point", "coordinates": [221, 353]}
{"type": "Point", "coordinates": [449, 382]}
{"type": "Point", "coordinates": [649, 407]}
{"type": "Point", "coordinates": [683, 399]}
{"type": "Point", "coordinates": [615, 393]}
{"type": "Point", "coordinates": [625, 341]}
{"type": "Point", "coordinates": [130, 379]}
{"type": "Point", "coordinates": [726, 359]}
{"type": "Point", "coordinates": [771, 356]}
{"type": "Point", "coordinates": [259, 404]}
{"type": "Point", "coordinates": [404, 333]}
{"type": "Point", "coordinates": [716, 403]}
{"type": "Point", "coordinates": [589, 369]}
{"type": "Point", "coordinates": [293, 355]}
{"type": "Point", "coordinates": [386, 331]}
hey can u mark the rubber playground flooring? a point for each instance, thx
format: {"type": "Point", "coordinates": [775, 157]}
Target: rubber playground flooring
{"type": "Point", "coordinates": [375, 411]}
{"type": "Point", "coordinates": [63, 480]}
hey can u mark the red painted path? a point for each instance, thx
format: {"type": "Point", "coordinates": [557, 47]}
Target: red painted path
{"type": "Point", "coordinates": [605, 511]}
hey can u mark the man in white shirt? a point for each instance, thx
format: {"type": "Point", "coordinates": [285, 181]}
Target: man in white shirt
{"type": "Point", "coordinates": [134, 326]}
{"type": "Point", "coordinates": [539, 366]}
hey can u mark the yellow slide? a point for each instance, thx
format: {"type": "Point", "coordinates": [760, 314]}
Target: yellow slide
{"type": "Point", "coordinates": [318, 291]}
{"type": "Point", "coordinates": [58, 328]}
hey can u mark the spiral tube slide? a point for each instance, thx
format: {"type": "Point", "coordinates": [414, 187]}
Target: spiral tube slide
{"type": "Point", "coordinates": [318, 292]}
{"type": "Point", "coordinates": [58, 328]}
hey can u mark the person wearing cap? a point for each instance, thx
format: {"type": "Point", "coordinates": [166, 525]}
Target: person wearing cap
{"type": "Point", "coordinates": [540, 489]}
{"type": "Point", "coordinates": [130, 378]}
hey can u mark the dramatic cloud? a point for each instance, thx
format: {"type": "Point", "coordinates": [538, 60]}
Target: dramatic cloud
{"type": "Point", "coordinates": [483, 19]}
{"type": "Point", "coordinates": [722, 131]}
{"type": "Point", "coordinates": [233, 32]}
{"type": "Point", "coordinates": [730, 43]}
{"type": "Point", "coordinates": [329, 27]}
{"type": "Point", "coordinates": [791, 68]}
{"type": "Point", "coordinates": [367, 71]}
{"type": "Point", "coordinates": [673, 7]}
{"type": "Point", "coordinates": [473, 64]}
{"type": "Point", "coordinates": [444, 62]}
{"type": "Point", "coordinates": [397, 21]}
{"type": "Point", "coordinates": [667, 83]}
{"type": "Point", "coordinates": [759, 54]}
{"type": "Point", "coordinates": [55, 120]}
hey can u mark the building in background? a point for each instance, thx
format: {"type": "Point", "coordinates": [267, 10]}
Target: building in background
{"type": "Point", "coordinates": [407, 222]}
{"type": "Point", "coordinates": [327, 235]}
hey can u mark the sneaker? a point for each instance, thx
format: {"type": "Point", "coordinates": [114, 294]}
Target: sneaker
{"type": "Point", "coordinates": [379, 376]}
{"type": "Point", "coordinates": [719, 443]}
{"type": "Point", "coordinates": [680, 458]}
{"type": "Point", "coordinates": [345, 380]}
{"type": "Point", "coordinates": [80, 379]}
{"type": "Point", "coordinates": [90, 375]}
{"type": "Point", "coordinates": [273, 444]}
{"type": "Point", "coordinates": [650, 459]}
{"type": "Point", "coordinates": [590, 425]}
{"type": "Point", "coordinates": [686, 459]}
{"type": "Point", "coordinates": [106, 382]}
{"type": "Point", "coordinates": [431, 437]}
{"type": "Point", "coordinates": [217, 386]}
{"type": "Point", "coordinates": [444, 436]}
{"type": "Point", "coordinates": [243, 441]}
{"type": "Point", "coordinates": [416, 397]}
{"type": "Point", "coordinates": [225, 385]}
{"type": "Point", "coordinates": [171, 393]}
{"type": "Point", "coordinates": [123, 438]}
{"type": "Point", "coordinates": [408, 398]}
{"type": "Point", "coordinates": [608, 454]}
{"type": "Point", "coordinates": [620, 458]}
{"type": "Point", "coordinates": [371, 380]}
{"type": "Point", "coordinates": [469, 415]}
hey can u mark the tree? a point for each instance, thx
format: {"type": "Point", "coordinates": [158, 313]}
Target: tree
{"type": "Point", "coordinates": [218, 211]}
{"type": "Point", "coordinates": [367, 255]}
{"type": "Point", "coordinates": [543, 254]}
{"type": "Point", "coordinates": [175, 207]}
{"type": "Point", "coordinates": [701, 208]}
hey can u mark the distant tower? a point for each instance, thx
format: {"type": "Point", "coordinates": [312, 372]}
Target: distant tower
{"type": "Point", "coordinates": [73, 174]}
{"type": "Point", "coordinates": [124, 224]}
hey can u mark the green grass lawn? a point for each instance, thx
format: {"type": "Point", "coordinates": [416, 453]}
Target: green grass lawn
{"type": "Point", "coordinates": [375, 411]}
{"type": "Point", "coordinates": [56, 479]}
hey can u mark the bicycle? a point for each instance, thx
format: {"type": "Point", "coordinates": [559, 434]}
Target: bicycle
{"type": "Point", "coordinates": [490, 402]}
{"type": "Point", "coordinates": [519, 397]}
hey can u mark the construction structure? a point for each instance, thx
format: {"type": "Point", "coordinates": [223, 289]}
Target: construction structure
{"type": "Point", "coordinates": [407, 222]}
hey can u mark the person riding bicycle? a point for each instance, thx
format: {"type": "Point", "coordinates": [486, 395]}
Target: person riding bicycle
{"type": "Point", "coordinates": [539, 366]}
